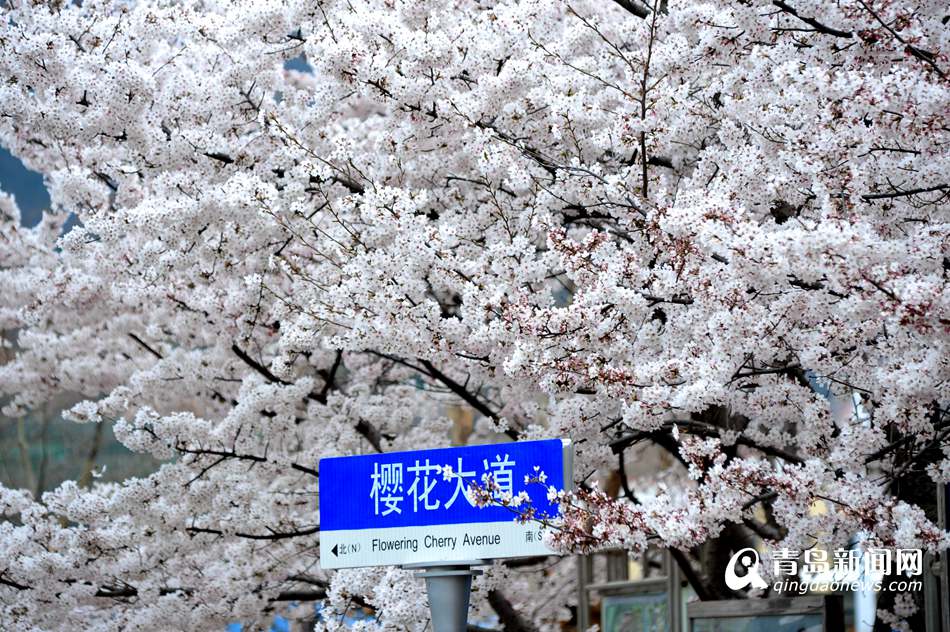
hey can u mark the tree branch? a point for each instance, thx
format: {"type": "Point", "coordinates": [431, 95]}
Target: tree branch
{"type": "Point", "coordinates": [634, 8]}
{"type": "Point", "coordinates": [465, 394]}
{"type": "Point", "coordinates": [887, 196]}
{"type": "Point", "coordinates": [276, 535]}
{"type": "Point", "coordinates": [145, 346]}
{"type": "Point", "coordinates": [128, 592]}
{"type": "Point", "coordinates": [242, 457]}
{"type": "Point", "coordinates": [12, 584]}
{"type": "Point", "coordinates": [815, 24]}
{"type": "Point", "coordinates": [511, 620]}
{"type": "Point", "coordinates": [696, 581]}
{"type": "Point", "coordinates": [329, 377]}
{"type": "Point", "coordinates": [365, 428]}
{"type": "Point", "coordinates": [257, 366]}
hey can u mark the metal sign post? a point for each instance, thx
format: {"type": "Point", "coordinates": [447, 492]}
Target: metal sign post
{"type": "Point", "coordinates": [411, 509]}
{"type": "Point", "coordinates": [449, 589]}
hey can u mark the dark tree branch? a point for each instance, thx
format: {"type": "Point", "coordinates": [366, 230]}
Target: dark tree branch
{"type": "Point", "coordinates": [877, 454]}
{"type": "Point", "coordinates": [511, 619]}
{"type": "Point", "coordinates": [351, 186]}
{"type": "Point", "coordinates": [128, 592]}
{"type": "Point", "coordinates": [661, 437]}
{"type": "Point", "coordinates": [763, 530]}
{"type": "Point", "coordinates": [761, 498]}
{"type": "Point", "coordinates": [459, 390]}
{"type": "Point", "coordinates": [815, 24]}
{"type": "Point", "coordinates": [660, 161]}
{"type": "Point", "coordinates": [925, 56]}
{"type": "Point", "coordinates": [145, 346]}
{"type": "Point", "coordinates": [12, 584]}
{"type": "Point", "coordinates": [427, 368]}
{"type": "Point", "coordinates": [371, 433]}
{"type": "Point", "coordinates": [698, 583]}
{"type": "Point", "coordinates": [907, 193]}
{"type": "Point", "coordinates": [220, 157]}
{"type": "Point", "coordinates": [465, 394]}
{"type": "Point", "coordinates": [301, 595]}
{"type": "Point", "coordinates": [257, 366]}
{"type": "Point", "coordinates": [695, 580]}
{"type": "Point", "coordinates": [634, 8]}
{"type": "Point", "coordinates": [241, 457]}
{"type": "Point", "coordinates": [275, 535]}
{"type": "Point", "coordinates": [329, 377]}
{"type": "Point", "coordinates": [365, 428]}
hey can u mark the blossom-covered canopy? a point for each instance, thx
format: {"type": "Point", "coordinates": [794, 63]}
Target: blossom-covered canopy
{"type": "Point", "coordinates": [716, 228]}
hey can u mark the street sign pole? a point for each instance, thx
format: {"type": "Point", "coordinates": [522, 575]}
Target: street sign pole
{"type": "Point", "coordinates": [449, 588]}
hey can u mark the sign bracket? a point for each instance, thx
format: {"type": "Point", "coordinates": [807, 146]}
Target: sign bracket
{"type": "Point", "coordinates": [449, 587]}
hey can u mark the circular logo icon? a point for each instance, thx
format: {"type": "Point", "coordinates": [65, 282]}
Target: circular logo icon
{"type": "Point", "coordinates": [749, 560]}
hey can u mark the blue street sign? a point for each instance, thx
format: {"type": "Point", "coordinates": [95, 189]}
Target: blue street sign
{"type": "Point", "coordinates": [408, 507]}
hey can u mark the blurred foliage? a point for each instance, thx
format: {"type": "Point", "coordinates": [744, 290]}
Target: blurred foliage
{"type": "Point", "coordinates": [41, 450]}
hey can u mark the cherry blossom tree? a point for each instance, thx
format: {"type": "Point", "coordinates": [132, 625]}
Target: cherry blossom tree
{"type": "Point", "coordinates": [306, 228]}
